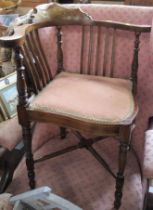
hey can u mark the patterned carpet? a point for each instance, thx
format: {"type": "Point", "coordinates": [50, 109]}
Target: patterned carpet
{"type": "Point", "coordinates": [78, 177]}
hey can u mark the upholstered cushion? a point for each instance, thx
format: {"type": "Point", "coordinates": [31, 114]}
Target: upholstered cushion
{"type": "Point", "coordinates": [148, 154]}
{"type": "Point", "coordinates": [90, 98]}
{"type": "Point", "coordinates": [4, 201]}
{"type": "Point", "coordinates": [10, 133]}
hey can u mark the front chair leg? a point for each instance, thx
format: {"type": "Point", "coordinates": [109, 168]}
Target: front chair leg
{"type": "Point", "coordinates": [27, 137]}
{"type": "Point", "coordinates": [125, 136]}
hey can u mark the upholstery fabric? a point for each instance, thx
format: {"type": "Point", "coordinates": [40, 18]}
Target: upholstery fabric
{"type": "Point", "coordinates": [109, 101]}
{"type": "Point", "coordinates": [4, 201]}
{"type": "Point", "coordinates": [139, 2]}
{"type": "Point", "coordinates": [148, 154]}
{"type": "Point", "coordinates": [136, 15]}
{"type": "Point", "coordinates": [10, 133]}
{"type": "Point", "coordinates": [79, 177]}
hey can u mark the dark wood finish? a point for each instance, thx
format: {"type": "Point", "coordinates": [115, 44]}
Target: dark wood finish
{"type": "Point", "coordinates": [97, 50]}
{"type": "Point", "coordinates": [106, 53]}
{"type": "Point", "coordinates": [41, 56]}
{"type": "Point", "coordinates": [22, 116]}
{"type": "Point", "coordinates": [59, 50]}
{"type": "Point", "coordinates": [63, 132]}
{"type": "Point", "coordinates": [90, 50]}
{"type": "Point", "coordinates": [23, 41]}
{"type": "Point", "coordinates": [135, 63]}
{"type": "Point", "coordinates": [84, 126]}
{"type": "Point", "coordinates": [82, 49]}
{"type": "Point", "coordinates": [32, 3]}
{"type": "Point", "coordinates": [27, 137]}
{"type": "Point", "coordinates": [9, 161]}
{"type": "Point", "coordinates": [139, 2]}
{"type": "Point", "coordinates": [30, 71]}
{"type": "Point", "coordinates": [113, 53]}
{"type": "Point", "coordinates": [33, 65]}
{"type": "Point", "coordinates": [125, 138]}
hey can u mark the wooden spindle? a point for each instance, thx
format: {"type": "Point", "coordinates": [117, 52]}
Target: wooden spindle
{"type": "Point", "coordinates": [22, 115]}
{"type": "Point", "coordinates": [59, 50]}
{"type": "Point", "coordinates": [113, 53]}
{"type": "Point", "coordinates": [42, 57]}
{"type": "Point", "coordinates": [32, 63]}
{"type": "Point", "coordinates": [97, 50]}
{"type": "Point", "coordinates": [82, 50]}
{"type": "Point", "coordinates": [135, 62]}
{"type": "Point", "coordinates": [105, 52]}
{"type": "Point", "coordinates": [37, 59]}
{"type": "Point", "coordinates": [30, 73]}
{"type": "Point", "coordinates": [21, 80]}
{"type": "Point", "coordinates": [90, 52]}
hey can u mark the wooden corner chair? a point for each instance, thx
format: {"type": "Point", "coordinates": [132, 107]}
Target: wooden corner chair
{"type": "Point", "coordinates": [86, 101]}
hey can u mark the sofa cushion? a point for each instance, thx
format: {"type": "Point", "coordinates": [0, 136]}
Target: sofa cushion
{"type": "Point", "coordinates": [148, 154]}
{"type": "Point", "coordinates": [10, 133]}
{"type": "Point", "coordinates": [4, 201]}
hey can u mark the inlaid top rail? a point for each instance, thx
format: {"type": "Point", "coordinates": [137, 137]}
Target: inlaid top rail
{"type": "Point", "coordinates": [18, 36]}
{"type": "Point", "coordinates": [123, 26]}
{"type": "Point", "coordinates": [56, 15]}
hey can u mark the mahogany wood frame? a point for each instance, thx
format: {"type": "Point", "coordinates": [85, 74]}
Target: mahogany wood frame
{"type": "Point", "coordinates": [20, 42]}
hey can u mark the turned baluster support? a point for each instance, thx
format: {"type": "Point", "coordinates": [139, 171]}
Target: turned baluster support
{"type": "Point", "coordinates": [135, 65]}
{"type": "Point", "coordinates": [21, 83]}
{"type": "Point", "coordinates": [60, 67]}
{"type": "Point", "coordinates": [23, 118]}
{"type": "Point", "coordinates": [125, 138]}
{"type": "Point", "coordinates": [59, 50]}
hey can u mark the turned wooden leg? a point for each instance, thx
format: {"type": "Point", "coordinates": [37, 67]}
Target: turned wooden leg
{"type": "Point", "coordinates": [27, 137]}
{"type": "Point", "coordinates": [23, 95]}
{"type": "Point", "coordinates": [125, 135]}
{"type": "Point", "coordinates": [62, 132]}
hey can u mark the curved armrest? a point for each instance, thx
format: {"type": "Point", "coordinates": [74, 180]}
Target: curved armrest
{"type": "Point", "coordinates": [17, 38]}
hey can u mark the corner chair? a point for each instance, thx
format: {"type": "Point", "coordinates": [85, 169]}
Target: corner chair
{"type": "Point", "coordinates": [90, 100]}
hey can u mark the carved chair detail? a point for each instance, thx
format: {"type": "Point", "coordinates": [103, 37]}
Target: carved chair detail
{"type": "Point", "coordinates": [89, 100]}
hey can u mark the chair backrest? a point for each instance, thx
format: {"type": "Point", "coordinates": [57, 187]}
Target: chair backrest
{"type": "Point", "coordinates": [34, 58]}
{"type": "Point", "coordinates": [96, 44]}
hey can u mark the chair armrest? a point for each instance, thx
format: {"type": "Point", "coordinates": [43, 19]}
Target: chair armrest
{"type": "Point", "coordinates": [148, 150]}
{"type": "Point", "coordinates": [17, 37]}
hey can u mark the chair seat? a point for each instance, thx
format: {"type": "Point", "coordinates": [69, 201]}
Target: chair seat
{"type": "Point", "coordinates": [89, 98]}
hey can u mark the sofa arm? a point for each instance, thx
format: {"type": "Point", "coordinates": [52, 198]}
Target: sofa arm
{"type": "Point", "coordinates": [148, 151]}
{"type": "Point", "coordinates": [10, 133]}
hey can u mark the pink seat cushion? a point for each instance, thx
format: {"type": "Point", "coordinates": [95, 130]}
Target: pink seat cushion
{"type": "Point", "coordinates": [90, 98]}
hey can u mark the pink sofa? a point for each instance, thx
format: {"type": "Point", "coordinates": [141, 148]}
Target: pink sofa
{"type": "Point", "coordinates": [77, 176]}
